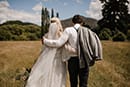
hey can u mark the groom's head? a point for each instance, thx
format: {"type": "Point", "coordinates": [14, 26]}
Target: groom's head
{"type": "Point", "coordinates": [77, 19]}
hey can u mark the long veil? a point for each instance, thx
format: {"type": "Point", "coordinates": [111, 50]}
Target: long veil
{"type": "Point", "coordinates": [41, 70]}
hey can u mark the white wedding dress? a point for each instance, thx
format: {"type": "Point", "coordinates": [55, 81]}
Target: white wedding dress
{"type": "Point", "coordinates": [49, 70]}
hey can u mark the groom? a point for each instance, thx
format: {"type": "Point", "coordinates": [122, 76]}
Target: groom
{"type": "Point", "coordinates": [70, 35]}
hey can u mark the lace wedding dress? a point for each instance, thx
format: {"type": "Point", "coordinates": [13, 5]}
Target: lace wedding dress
{"type": "Point", "coordinates": [49, 70]}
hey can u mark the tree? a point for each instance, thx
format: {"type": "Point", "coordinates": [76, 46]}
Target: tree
{"type": "Point", "coordinates": [57, 15]}
{"type": "Point", "coordinates": [42, 22]}
{"type": "Point", "coordinates": [45, 21]}
{"type": "Point", "coordinates": [115, 15]}
{"type": "Point", "coordinates": [52, 13]}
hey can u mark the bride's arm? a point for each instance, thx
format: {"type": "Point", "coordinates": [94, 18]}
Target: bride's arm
{"type": "Point", "coordinates": [46, 35]}
{"type": "Point", "coordinates": [57, 43]}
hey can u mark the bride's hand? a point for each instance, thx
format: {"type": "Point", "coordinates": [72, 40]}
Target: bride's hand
{"type": "Point", "coordinates": [43, 40]}
{"type": "Point", "coordinates": [70, 49]}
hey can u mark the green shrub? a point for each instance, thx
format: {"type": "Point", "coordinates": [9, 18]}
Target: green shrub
{"type": "Point", "coordinates": [38, 34]}
{"type": "Point", "coordinates": [108, 31]}
{"type": "Point", "coordinates": [32, 36]}
{"type": "Point", "coordinates": [128, 35]}
{"type": "Point", "coordinates": [15, 38]}
{"type": "Point", "coordinates": [96, 30]}
{"type": "Point", "coordinates": [19, 31]}
{"type": "Point", "coordinates": [119, 37]}
{"type": "Point", "coordinates": [105, 34]}
{"type": "Point", "coordinates": [20, 38]}
{"type": "Point", "coordinates": [5, 35]}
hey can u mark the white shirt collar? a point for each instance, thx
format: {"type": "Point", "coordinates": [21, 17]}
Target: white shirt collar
{"type": "Point", "coordinates": [76, 26]}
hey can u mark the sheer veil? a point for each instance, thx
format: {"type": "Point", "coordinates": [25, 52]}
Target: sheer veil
{"type": "Point", "coordinates": [45, 70]}
{"type": "Point", "coordinates": [55, 29]}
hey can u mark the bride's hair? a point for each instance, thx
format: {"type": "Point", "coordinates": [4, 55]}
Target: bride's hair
{"type": "Point", "coordinates": [60, 28]}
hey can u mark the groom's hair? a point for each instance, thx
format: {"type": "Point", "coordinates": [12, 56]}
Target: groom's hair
{"type": "Point", "coordinates": [77, 19]}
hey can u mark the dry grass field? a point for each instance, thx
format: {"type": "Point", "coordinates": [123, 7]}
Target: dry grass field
{"type": "Point", "coordinates": [112, 71]}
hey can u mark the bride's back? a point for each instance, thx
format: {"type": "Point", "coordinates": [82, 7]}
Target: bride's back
{"type": "Point", "coordinates": [53, 29]}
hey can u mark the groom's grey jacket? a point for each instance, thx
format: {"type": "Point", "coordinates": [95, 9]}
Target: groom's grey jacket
{"type": "Point", "coordinates": [89, 46]}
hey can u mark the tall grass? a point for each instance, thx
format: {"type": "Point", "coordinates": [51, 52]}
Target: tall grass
{"type": "Point", "coordinates": [14, 58]}
{"type": "Point", "coordinates": [112, 71]}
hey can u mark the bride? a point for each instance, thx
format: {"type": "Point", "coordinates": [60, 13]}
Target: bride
{"type": "Point", "coordinates": [50, 69]}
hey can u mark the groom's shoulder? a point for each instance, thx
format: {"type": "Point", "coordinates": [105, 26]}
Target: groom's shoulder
{"type": "Point", "coordinates": [69, 28]}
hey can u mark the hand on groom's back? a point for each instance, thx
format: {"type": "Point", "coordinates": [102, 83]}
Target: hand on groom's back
{"type": "Point", "coordinates": [42, 40]}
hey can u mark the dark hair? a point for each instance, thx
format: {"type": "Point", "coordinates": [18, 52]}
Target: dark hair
{"type": "Point", "coordinates": [77, 19]}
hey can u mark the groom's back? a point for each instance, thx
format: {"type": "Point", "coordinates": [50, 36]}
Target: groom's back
{"type": "Point", "coordinates": [72, 36]}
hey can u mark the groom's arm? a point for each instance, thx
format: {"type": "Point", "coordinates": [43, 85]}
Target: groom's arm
{"type": "Point", "coordinates": [59, 42]}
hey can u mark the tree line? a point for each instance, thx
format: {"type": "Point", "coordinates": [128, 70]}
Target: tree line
{"type": "Point", "coordinates": [17, 30]}
{"type": "Point", "coordinates": [114, 25]}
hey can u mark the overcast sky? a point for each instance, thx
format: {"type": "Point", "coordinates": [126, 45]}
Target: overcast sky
{"type": "Point", "coordinates": [30, 10]}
